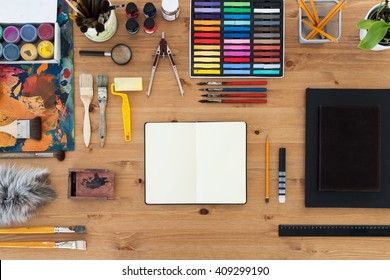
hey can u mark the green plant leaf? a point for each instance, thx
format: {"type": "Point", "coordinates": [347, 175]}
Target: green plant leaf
{"type": "Point", "coordinates": [374, 35]}
{"type": "Point", "coordinates": [365, 24]}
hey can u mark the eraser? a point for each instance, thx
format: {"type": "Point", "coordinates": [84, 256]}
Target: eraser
{"type": "Point", "coordinates": [128, 84]}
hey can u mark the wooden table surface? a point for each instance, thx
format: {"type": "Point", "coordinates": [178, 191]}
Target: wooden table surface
{"type": "Point", "coordinates": [126, 228]}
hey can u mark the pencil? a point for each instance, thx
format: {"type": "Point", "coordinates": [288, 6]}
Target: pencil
{"type": "Point", "coordinates": [327, 18]}
{"type": "Point", "coordinates": [266, 169]}
{"type": "Point", "coordinates": [212, 95]}
{"type": "Point", "coordinates": [313, 7]}
{"type": "Point", "coordinates": [323, 33]}
{"type": "Point", "coordinates": [244, 83]}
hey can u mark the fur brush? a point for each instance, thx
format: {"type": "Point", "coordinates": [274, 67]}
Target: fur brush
{"type": "Point", "coordinates": [23, 191]}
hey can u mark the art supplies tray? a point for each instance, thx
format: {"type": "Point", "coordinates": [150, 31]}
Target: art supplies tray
{"type": "Point", "coordinates": [237, 38]}
{"type": "Point", "coordinates": [20, 12]}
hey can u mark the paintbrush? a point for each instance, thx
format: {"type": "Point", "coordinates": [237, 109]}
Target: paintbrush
{"type": "Point", "coordinates": [102, 82]}
{"type": "Point", "coordinates": [234, 89]}
{"type": "Point", "coordinates": [244, 83]}
{"type": "Point", "coordinates": [24, 129]}
{"type": "Point", "coordinates": [75, 245]}
{"type": "Point", "coordinates": [86, 95]}
{"type": "Point", "coordinates": [212, 95]}
{"type": "Point", "coordinates": [59, 155]}
{"type": "Point", "coordinates": [43, 230]}
{"type": "Point", "coordinates": [234, 101]}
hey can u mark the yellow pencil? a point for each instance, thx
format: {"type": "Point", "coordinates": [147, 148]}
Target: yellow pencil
{"type": "Point", "coordinates": [323, 33]}
{"type": "Point", "coordinates": [327, 18]}
{"type": "Point", "coordinates": [266, 169]}
{"type": "Point", "coordinates": [313, 7]}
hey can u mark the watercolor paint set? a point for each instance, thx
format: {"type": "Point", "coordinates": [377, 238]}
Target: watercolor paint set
{"type": "Point", "coordinates": [29, 32]}
{"type": "Point", "coordinates": [237, 38]}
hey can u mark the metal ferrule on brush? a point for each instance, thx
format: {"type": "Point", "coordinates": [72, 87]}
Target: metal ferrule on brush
{"type": "Point", "coordinates": [66, 245]}
{"type": "Point", "coordinates": [211, 89]}
{"type": "Point", "coordinates": [75, 229]}
{"type": "Point", "coordinates": [102, 94]}
{"type": "Point", "coordinates": [23, 129]}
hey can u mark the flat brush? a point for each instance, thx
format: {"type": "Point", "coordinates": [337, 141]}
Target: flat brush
{"type": "Point", "coordinates": [102, 82]}
{"type": "Point", "coordinates": [24, 129]}
{"type": "Point", "coordinates": [43, 230]}
{"type": "Point", "coordinates": [243, 83]}
{"type": "Point", "coordinates": [86, 95]}
{"type": "Point", "coordinates": [234, 101]}
{"type": "Point", "coordinates": [74, 245]}
{"type": "Point", "coordinates": [234, 89]}
{"type": "Point", "coordinates": [212, 95]}
{"type": "Point", "coordinates": [59, 155]}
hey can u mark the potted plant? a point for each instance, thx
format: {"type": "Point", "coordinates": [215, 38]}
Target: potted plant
{"type": "Point", "coordinates": [375, 28]}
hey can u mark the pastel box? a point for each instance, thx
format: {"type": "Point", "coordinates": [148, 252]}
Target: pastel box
{"type": "Point", "coordinates": [333, 27]}
{"type": "Point", "coordinates": [90, 184]}
{"type": "Point", "coordinates": [20, 12]}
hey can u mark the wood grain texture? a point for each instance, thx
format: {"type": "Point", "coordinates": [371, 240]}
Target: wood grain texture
{"type": "Point", "coordinates": [126, 228]}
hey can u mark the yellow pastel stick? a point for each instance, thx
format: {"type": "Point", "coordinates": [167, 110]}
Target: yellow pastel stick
{"type": "Point", "coordinates": [202, 71]}
{"type": "Point", "coordinates": [206, 53]}
{"type": "Point", "coordinates": [206, 65]}
{"type": "Point", "coordinates": [207, 47]}
{"type": "Point", "coordinates": [207, 59]}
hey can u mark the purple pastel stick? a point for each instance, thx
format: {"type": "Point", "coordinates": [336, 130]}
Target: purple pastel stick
{"type": "Point", "coordinates": [207, 4]}
{"type": "Point", "coordinates": [207, 10]}
{"type": "Point", "coordinates": [236, 47]}
{"type": "Point", "coordinates": [207, 16]}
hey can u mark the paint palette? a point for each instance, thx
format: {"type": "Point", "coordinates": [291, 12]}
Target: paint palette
{"type": "Point", "coordinates": [237, 38]}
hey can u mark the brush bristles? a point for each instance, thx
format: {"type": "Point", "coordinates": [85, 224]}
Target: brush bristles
{"type": "Point", "coordinates": [78, 229]}
{"type": "Point", "coordinates": [86, 81]}
{"type": "Point", "coordinates": [60, 155]}
{"type": "Point", "coordinates": [36, 128]}
{"type": "Point", "coordinates": [102, 80]}
{"type": "Point", "coordinates": [81, 245]}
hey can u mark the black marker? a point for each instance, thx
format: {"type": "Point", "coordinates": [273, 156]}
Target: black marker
{"type": "Point", "coordinates": [282, 175]}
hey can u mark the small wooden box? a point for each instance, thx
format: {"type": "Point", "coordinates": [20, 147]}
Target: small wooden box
{"type": "Point", "coordinates": [90, 184]}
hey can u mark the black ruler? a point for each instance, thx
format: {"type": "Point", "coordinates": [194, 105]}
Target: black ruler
{"type": "Point", "coordinates": [334, 230]}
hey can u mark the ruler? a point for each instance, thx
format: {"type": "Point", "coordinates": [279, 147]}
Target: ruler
{"type": "Point", "coordinates": [334, 230]}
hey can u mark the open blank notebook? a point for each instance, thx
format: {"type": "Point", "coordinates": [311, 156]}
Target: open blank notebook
{"type": "Point", "coordinates": [195, 163]}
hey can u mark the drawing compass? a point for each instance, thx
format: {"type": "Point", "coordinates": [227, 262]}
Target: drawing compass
{"type": "Point", "coordinates": [164, 50]}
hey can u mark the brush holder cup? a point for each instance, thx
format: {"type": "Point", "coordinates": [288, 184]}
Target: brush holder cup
{"type": "Point", "coordinates": [110, 27]}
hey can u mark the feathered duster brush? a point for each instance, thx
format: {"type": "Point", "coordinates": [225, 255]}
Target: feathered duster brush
{"type": "Point", "coordinates": [22, 192]}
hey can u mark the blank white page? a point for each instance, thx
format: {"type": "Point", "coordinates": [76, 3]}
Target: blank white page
{"type": "Point", "coordinates": [188, 163]}
{"type": "Point", "coordinates": [221, 162]}
{"type": "Point", "coordinates": [170, 163]}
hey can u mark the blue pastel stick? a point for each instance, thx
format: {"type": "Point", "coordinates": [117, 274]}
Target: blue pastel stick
{"type": "Point", "coordinates": [237, 35]}
{"type": "Point", "coordinates": [266, 72]}
{"type": "Point", "coordinates": [237, 16]}
{"type": "Point", "coordinates": [237, 22]}
{"type": "Point", "coordinates": [236, 66]}
{"type": "Point", "coordinates": [236, 72]}
{"type": "Point", "coordinates": [236, 28]}
{"type": "Point", "coordinates": [207, 10]}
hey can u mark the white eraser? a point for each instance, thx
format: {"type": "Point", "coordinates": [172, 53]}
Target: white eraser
{"type": "Point", "coordinates": [128, 84]}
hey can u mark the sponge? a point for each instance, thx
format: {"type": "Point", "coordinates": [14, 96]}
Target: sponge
{"type": "Point", "coordinates": [128, 84]}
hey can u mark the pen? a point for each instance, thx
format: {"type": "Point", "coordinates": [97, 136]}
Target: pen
{"type": "Point", "coordinates": [211, 95]}
{"type": "Point", "coordinates": [282, 175]}
{"type": "Point", "coordinates": [234, 89]}
{"type": "Point", "coordinates": [266, 169]}
{"type": "Point", "coordinates": [234, 101]}
{"type": "Point", "coordinates": [243, 83]}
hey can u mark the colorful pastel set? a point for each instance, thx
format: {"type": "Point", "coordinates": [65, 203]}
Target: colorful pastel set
{"type": "Point", "coordinates": [237, 38]}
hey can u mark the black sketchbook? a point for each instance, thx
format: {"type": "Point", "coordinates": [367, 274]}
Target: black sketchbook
{"type": "Point", "coordinates": [347, 148]}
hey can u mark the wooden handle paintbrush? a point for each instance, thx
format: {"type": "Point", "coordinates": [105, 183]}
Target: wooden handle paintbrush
{"type": "Point", "coordinates": [86, 95]}
{"type": "Point", "coordinates": [74, 245]}
{"type": "Point", "coordinates": [43, 230]}
{"type": "Point", "coordinates": [24, 129]}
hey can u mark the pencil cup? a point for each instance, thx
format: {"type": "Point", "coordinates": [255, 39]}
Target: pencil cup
{"type": "Point", "coordinates": [333, 27]}
{"type": "Point", "coordinates": [110, 27]}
